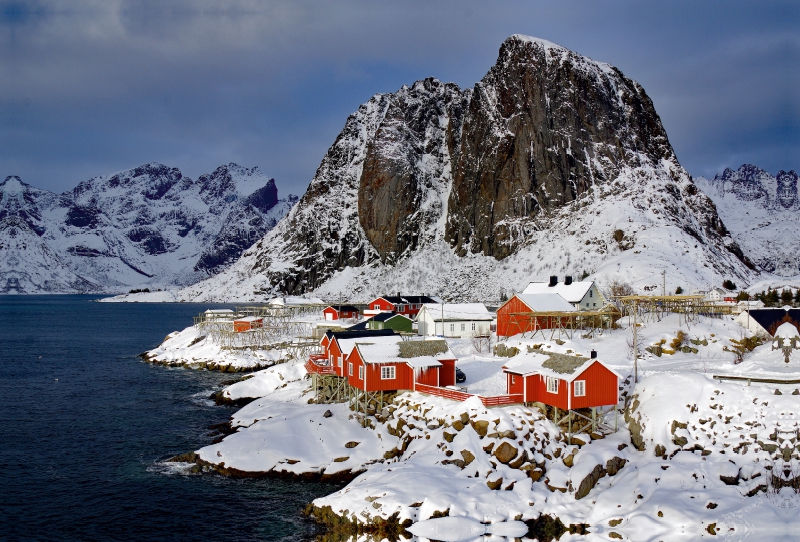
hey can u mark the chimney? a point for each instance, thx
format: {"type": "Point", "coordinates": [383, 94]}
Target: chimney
{"type": "Point", "coordinates": [568, 280]}
{"type": "Point", "coordinates": [398, 294]}
{"type": "Point", "coordinates": [553, 280]}
{"type": "Point", "coordinates": [593, 354]}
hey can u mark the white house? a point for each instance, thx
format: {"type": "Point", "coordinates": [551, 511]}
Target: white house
{"type": "Point", "coordinates": [717, 295]}
{"type": "Point", "coordinates": [454, 319]}
{"type": "Point", "coordinates": [584, 295]}
{"type": "Point", "coordinates": [748, 305]}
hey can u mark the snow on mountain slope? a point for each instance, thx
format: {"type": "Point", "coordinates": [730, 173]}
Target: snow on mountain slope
{"type": "Point", "coordinates": [763, 214]}
{"type": "Point", "coordinates": [552, 164]}
{"type": "Point", "coordinates": [145, 226]}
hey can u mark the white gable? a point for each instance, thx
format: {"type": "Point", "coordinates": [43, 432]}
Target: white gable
{"type": "Point", "coordinates": [573, 293]}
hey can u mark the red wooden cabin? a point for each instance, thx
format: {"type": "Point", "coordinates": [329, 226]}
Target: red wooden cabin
{"type": "Point", "coordinates": [407, 305]}
{"type": "Point", "coordinates": [247, 323]}
{"type": "Point", "coordinates": [509, 321]}
{"type": "Point", "coordinates": [336, 345]}
{"type": "Point", "coordinates": [566, 382]}
{"type": "Point", "coordinates": [400, 366]}
{"type": "Point", "coordinates": [339, 312]}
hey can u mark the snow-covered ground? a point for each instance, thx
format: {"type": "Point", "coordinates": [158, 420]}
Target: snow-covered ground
{"type": "Point", "coordinates": [697, 458]}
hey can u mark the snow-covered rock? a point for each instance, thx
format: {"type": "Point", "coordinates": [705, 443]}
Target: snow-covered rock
{"type": "Point", "coordinates": [763, 214]}
{"type": "Point", "coordinates": [148, 226]}
{"type": "Point", "coordinates": [552, 164]}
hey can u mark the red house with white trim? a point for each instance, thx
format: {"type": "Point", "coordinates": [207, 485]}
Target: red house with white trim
{"type": "Point", "coordinates": [407, 305]}
{"type": "Point", "coordinates": [339, 312]}
{"type": "Point", "coordinates": [400, 366]}
{"type": "Point", "coordinates": [562, 381]}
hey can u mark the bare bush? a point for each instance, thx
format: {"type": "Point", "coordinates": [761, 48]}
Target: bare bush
{"type": "Point", "coordinates": [481, 341]}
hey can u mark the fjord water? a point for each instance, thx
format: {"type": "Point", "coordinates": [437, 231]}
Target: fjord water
{"type": "Point", "coordinates": [87, 426]}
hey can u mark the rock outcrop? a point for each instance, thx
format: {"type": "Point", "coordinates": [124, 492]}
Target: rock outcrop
{"type": "Point", "coordinates": [547, 138]}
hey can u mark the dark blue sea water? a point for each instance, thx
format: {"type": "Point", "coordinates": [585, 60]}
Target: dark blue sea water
{"type": "Point", "coordinates": [86, 426]}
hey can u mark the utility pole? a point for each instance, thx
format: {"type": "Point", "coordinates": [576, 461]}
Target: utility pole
{"type": "Point", "coordinates": [664, 282]}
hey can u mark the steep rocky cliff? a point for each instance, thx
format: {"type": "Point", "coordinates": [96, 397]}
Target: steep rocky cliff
{"type": "Point", "coordinates": [545, 143]}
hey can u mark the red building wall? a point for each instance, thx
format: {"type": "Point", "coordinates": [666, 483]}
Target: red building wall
{"type": "Point", "coordinates": [330, 313]}
{"type": "Point", "coordinates": [404, 375]}
{"type": "Point", "coordinates": [381, 304]}
{"type": "Point", "coordinates": [601, 387]}
{"type": "Point", "coordinates": [505, 328]}
{"type": "Point", "coordinates": [447, 373]}
{"type": "Point", "coordinates": [429, 376]}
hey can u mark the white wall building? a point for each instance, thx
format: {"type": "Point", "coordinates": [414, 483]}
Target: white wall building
{"type": "Point", "coordinates": [584, 295]}
{"type": "Point", "coordinates": [461, 320]}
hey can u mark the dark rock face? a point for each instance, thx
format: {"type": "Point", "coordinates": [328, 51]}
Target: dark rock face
{"type": "Point", "coordinates": [404, 160]}
{"type": "Point", "coordinates": [543, 126]}
{"type": "Point", "coordinates": [481, 168]}
{"type": "Point", "coordinates": [786, 193]}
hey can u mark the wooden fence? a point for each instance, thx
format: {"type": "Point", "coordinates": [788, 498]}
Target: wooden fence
{"type": "Point", "coordinates": [456, 395]}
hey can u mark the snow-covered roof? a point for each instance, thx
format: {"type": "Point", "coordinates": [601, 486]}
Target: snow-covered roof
{"type": "Point", "coordinates": [424, 352]}
{"type": "Point", "coordinates": [546, 302]}
{"type": "Point", "coordinates": [572, 292]}
{"type": "Point", "coordinates": [347, 345]}
{"type": "Point", "coordinates": [786, 331]}
{"type": "Point", "coordinates": [561, 366]}
{"type": "Point", "coordinates": [219, 311]}
{"type": "Point", "coordinates": [458, 311]}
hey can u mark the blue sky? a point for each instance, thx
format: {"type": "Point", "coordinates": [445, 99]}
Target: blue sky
{"type": "Point", "coordinates": [91, 87]}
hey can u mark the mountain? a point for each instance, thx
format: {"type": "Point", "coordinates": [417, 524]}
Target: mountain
{"type": "Point", "coordinates": [552, 164]}
{"type": "Point", "coordinates": [763, 214]}
{"type": "Point", "coordinates": [147, 226]}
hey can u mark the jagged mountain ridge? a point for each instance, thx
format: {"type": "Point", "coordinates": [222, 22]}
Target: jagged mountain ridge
{"type": "Point", "coordinates": [150, 225]}
{"type": "Point", "coordinates": [543, 142]}
{"type": "Point", "coordinates": [763, 214]}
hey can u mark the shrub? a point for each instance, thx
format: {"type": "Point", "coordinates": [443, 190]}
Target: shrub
{"type": "Point", "coordinates": [728, 284]}
{"type": "Point", "coordinates": [678, 290]}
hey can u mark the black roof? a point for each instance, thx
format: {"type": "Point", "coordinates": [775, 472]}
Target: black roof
{"type": "Point", "coordinates": [408, 299]}
{"type": "Point", "coordinates": [344, 308]}
{"type": "Point", "coordinates": [383, 316]}
{"type": "Point", "coordinates": [361, 333]}
{"type": "Point", "coordinates": [767, 318]}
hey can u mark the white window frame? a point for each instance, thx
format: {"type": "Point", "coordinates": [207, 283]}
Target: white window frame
{"type": "Point", "coordinates": [452, 328]}
{"type": "Point", "coordinates": [473, 326]}
{"type": "Point", "coordinates": [350, 369]}
{"type": "Point", "coordinates": [552, 384]}
{"type": "Point", "coordinates": [579, 388]}
{"type": "Point", "coordinates": [463, 326]}
{"type": "Point", "coordinates": [388, 372]}
{"type": "Point", "coordinates": [512, 379]}
{"type": "Point", "coordinates": [361, 372]}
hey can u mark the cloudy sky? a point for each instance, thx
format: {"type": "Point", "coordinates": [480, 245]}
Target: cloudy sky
{"type": "Point", "coordinates": [93, 87]}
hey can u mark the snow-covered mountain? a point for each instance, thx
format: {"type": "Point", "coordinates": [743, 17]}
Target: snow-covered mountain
{"type": "Point", "coordinates": [148, 226]}
{"type": "Point", "coordinates": [763, 214]}
{"type": "Point", "coordinates": [552, 164]}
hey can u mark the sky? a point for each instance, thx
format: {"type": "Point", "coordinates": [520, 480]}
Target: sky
{"type": "Point", "coordinates": [92, 87]}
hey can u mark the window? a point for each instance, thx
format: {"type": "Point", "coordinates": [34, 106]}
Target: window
{"type": "Point", "coordinates": [579, 388]}
{"type": "Point", "coordinates": [473, 326]}
{"type": "Point", "coordinates": [361, 372]}
{"type": "Point", "coordinates": [376, 306]}
{"type": "Point", "coordinates": [552, 385]}
{"type": "Point", "coordinates": [387, 373]}
{"type": "Point", "coordinates": [452, 328]}
{"type": "Point", "coordinates": [512, 379]}
{"type": "Point", "coordinates": [590, 293]}
{"type": "Point", "coordinates": [350, 369]}
{"type": "Point", "coordinates": [463, 327]}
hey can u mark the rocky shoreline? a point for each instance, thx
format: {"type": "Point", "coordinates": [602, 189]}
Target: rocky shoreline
{"type": "Point", "coordinates": [221, 366]}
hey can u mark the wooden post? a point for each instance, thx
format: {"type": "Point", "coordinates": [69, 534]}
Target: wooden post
{"type": "Point", "coordinates": [569, 423]}
{"type": "Point", "coordinates": [594, 419]}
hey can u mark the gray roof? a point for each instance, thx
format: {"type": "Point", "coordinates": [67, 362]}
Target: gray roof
{"type": "Point", "coordinates": [413, 349]}
{"type": "Point", "coordinates": [563, 363]}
